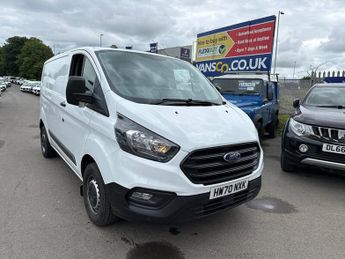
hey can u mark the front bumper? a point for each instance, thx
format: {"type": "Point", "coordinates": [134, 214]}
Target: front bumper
{"type": "Point", "coordinates": [314, 156]}
{"type": "Point", "coordinates": [178, 208]}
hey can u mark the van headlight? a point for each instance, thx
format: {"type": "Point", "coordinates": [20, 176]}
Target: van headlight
{"type": "Point", "coordinates": [300, 129]}
{"type": "Point", "coordinates": [135, 139]}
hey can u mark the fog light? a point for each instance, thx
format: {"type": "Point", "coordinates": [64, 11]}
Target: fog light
{"type": "Point", "coordinates": [147, 197]}
{"type": "Point", "coordinates": [141, 196]}
{"type": "Point", "coordinates": [303, 148]}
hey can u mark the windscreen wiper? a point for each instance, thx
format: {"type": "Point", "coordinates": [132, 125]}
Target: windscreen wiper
{"type": "Point", "coordinates": [174, 101]}
{"type": "Point", "coordinates": [332, 106]}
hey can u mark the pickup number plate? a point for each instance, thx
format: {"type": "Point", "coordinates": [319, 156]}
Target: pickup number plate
{"type": "Point", "coordinates": [337, 149]}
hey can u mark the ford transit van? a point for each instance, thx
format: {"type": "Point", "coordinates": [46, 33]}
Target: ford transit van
{"type": "Point", "coordinates": [149, 136]}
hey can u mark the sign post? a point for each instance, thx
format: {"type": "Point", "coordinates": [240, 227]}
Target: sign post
{"type": "Point", "coordinates": [242, 47]}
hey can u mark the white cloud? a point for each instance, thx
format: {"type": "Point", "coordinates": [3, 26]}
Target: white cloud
{"type": "Point", "coordinates": [311, 32]}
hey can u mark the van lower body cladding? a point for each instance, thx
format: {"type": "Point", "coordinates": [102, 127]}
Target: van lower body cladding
{"type": "Point", "coordinates": [176, 209]}
{"type": "Point", "coordinates": [162, 193]}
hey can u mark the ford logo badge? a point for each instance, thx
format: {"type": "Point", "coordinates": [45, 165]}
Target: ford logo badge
{"type": "Point", "coordinates": [232, 157]}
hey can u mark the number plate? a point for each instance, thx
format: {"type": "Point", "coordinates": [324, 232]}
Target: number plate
{"type": "Point", "coordinates": [333, 149]}
{"type": "Point", "coordinates": [227, 189]}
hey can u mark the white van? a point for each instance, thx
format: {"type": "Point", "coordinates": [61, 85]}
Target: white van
{"type": "Point", "coordinates": [148, 135]}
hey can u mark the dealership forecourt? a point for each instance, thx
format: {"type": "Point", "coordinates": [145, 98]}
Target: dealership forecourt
{"type": "Point", "coordinates": [295, 215]}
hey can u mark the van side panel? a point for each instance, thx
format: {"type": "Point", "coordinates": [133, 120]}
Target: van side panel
{"type": "Point", "coordinates": [54, 81]}
{"type": "Point", "coordinates": [55, 74]}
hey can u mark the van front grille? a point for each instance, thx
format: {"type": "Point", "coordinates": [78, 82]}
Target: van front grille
{"type": "Point", "coordinates": [208, 166]}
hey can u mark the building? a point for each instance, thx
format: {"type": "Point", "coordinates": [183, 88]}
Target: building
{"type": "Point", "coordinates": [183, 52]}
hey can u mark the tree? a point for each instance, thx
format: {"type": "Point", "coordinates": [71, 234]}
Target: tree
{"type": "Point", "coordinates": [10, 52]}
{"type": "Point", "coordinates": [306, 77]}
{"type": "Point", "coordinates": [32, 57]}
{"type": "Point", "coordinates": [2, 71]}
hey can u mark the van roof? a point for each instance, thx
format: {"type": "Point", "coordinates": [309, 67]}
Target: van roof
{"type": "Point", "coordinates": [94, 49]}
{"type": "Point", "coordinates": [273, 78]}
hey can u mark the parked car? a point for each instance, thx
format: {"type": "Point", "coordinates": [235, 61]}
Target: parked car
{"type": "Point", "coordinates": [20, 81]}
{"type": "Point", "coordinates": [149, 136]}
{"type": "Point", "coordinates": [3, 86]}
{"type": "Point", "coordinates": [256, 94]}
{"type": "Point", "coordinates": [315, 134]}
{"type": "Point", "coordinates": [3, 81]}
{"type": "Point", "coordinates": [36, 89]}
{"type": "Point", "coordinates": [12, 80]}
{"type": "Point", "coordinates": [28, 85]}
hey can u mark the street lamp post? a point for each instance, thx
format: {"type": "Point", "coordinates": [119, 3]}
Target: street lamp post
{"type": "Point", "coordinates": [294, 68]}
{"type": "Point", "coordinates": [100, 39]}
{"type": "Point", "coordinates": [276, 45]}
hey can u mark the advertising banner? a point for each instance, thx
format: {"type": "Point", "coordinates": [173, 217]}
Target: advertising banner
{"type": "Point", "coordinates": [245, 46]}
{"type": "Point", "coordinates": [154, 47]}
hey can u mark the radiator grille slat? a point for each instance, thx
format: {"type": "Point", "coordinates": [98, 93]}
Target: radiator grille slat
{"type": "Point", "coordinates": [207, 166]}
{"type": "Point", "coordinates": [335, 135]}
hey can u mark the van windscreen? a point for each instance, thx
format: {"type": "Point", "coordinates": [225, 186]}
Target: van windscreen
{"type": "Point", "coordinates": [147, 78]}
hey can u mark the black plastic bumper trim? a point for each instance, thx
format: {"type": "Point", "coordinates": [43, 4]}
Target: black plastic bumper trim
{"type": "Point", "coordinates": [180, 208]}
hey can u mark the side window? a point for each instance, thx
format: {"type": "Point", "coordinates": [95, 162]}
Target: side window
{"type": "Point", "coordinates": [82, 66]}
{"type": "Point", "coordinates": [89, 75]}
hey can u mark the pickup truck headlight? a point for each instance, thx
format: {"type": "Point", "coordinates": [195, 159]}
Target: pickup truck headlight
{"type": "Point", "coordinates": [135, 139]}
{"type": "Point", "coordinates": [300, 129]}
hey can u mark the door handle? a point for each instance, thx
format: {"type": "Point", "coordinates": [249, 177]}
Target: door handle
{"type": "Point", "coordinates": [63, 104]}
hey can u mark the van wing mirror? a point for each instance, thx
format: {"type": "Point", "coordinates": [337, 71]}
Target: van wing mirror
{"type": "Point", "coordinates": [296, 103]}
{"type": "Point", "coordinates": [76, 91]}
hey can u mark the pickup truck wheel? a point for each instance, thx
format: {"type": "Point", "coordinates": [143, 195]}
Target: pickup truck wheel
{"type": "Point", "coordinates": [272, 127]}
{"type": "Point", "coordinates": [285, 164]}
{"type": "Point", "coordinates": [96, 200]}
{"type": "Point", "coordinates": [46, 148]}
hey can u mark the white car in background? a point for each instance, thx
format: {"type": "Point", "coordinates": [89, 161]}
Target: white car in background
{"type": "Point", "coordinates": [3, 86]}
{"type": "Point", "coordinates": [36, 89]}
{"type": "Point", "coordinates": [27, 86]}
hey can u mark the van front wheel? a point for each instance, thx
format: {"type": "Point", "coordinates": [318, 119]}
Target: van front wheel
{"type": "Point", "coordinates": [96, 200]}
{"type": "Point", "coordinates": [46, 148]}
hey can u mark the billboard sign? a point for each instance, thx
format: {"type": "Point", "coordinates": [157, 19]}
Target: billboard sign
{"type": "Point", "coordinates": [185, 53]}
{"type": "Point", "coordinates": [246, 46]}
{"type": "Point", "coordinates": [154, 47]}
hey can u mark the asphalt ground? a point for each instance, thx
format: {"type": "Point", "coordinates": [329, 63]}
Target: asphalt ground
{"type": "Point", "coordinates": [42, 215]}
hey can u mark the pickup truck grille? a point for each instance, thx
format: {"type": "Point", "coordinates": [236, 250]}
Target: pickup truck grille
{"type": "Point", "coordinates": [335, 135]}
{"type": "Point", "coordinates": [207, 166]}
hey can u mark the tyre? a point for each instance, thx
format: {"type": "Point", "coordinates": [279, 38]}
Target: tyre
{"type": "Point", "coordinates": [272, 127]}
{"type": "Point", "coordinates": [260, 129]}
{"type": "Point", "coordinates": [285, 164]}
{"type": "Point", "coordinates": [46, 148]}
{"type": "Point", "coordinates": [96, 200]}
